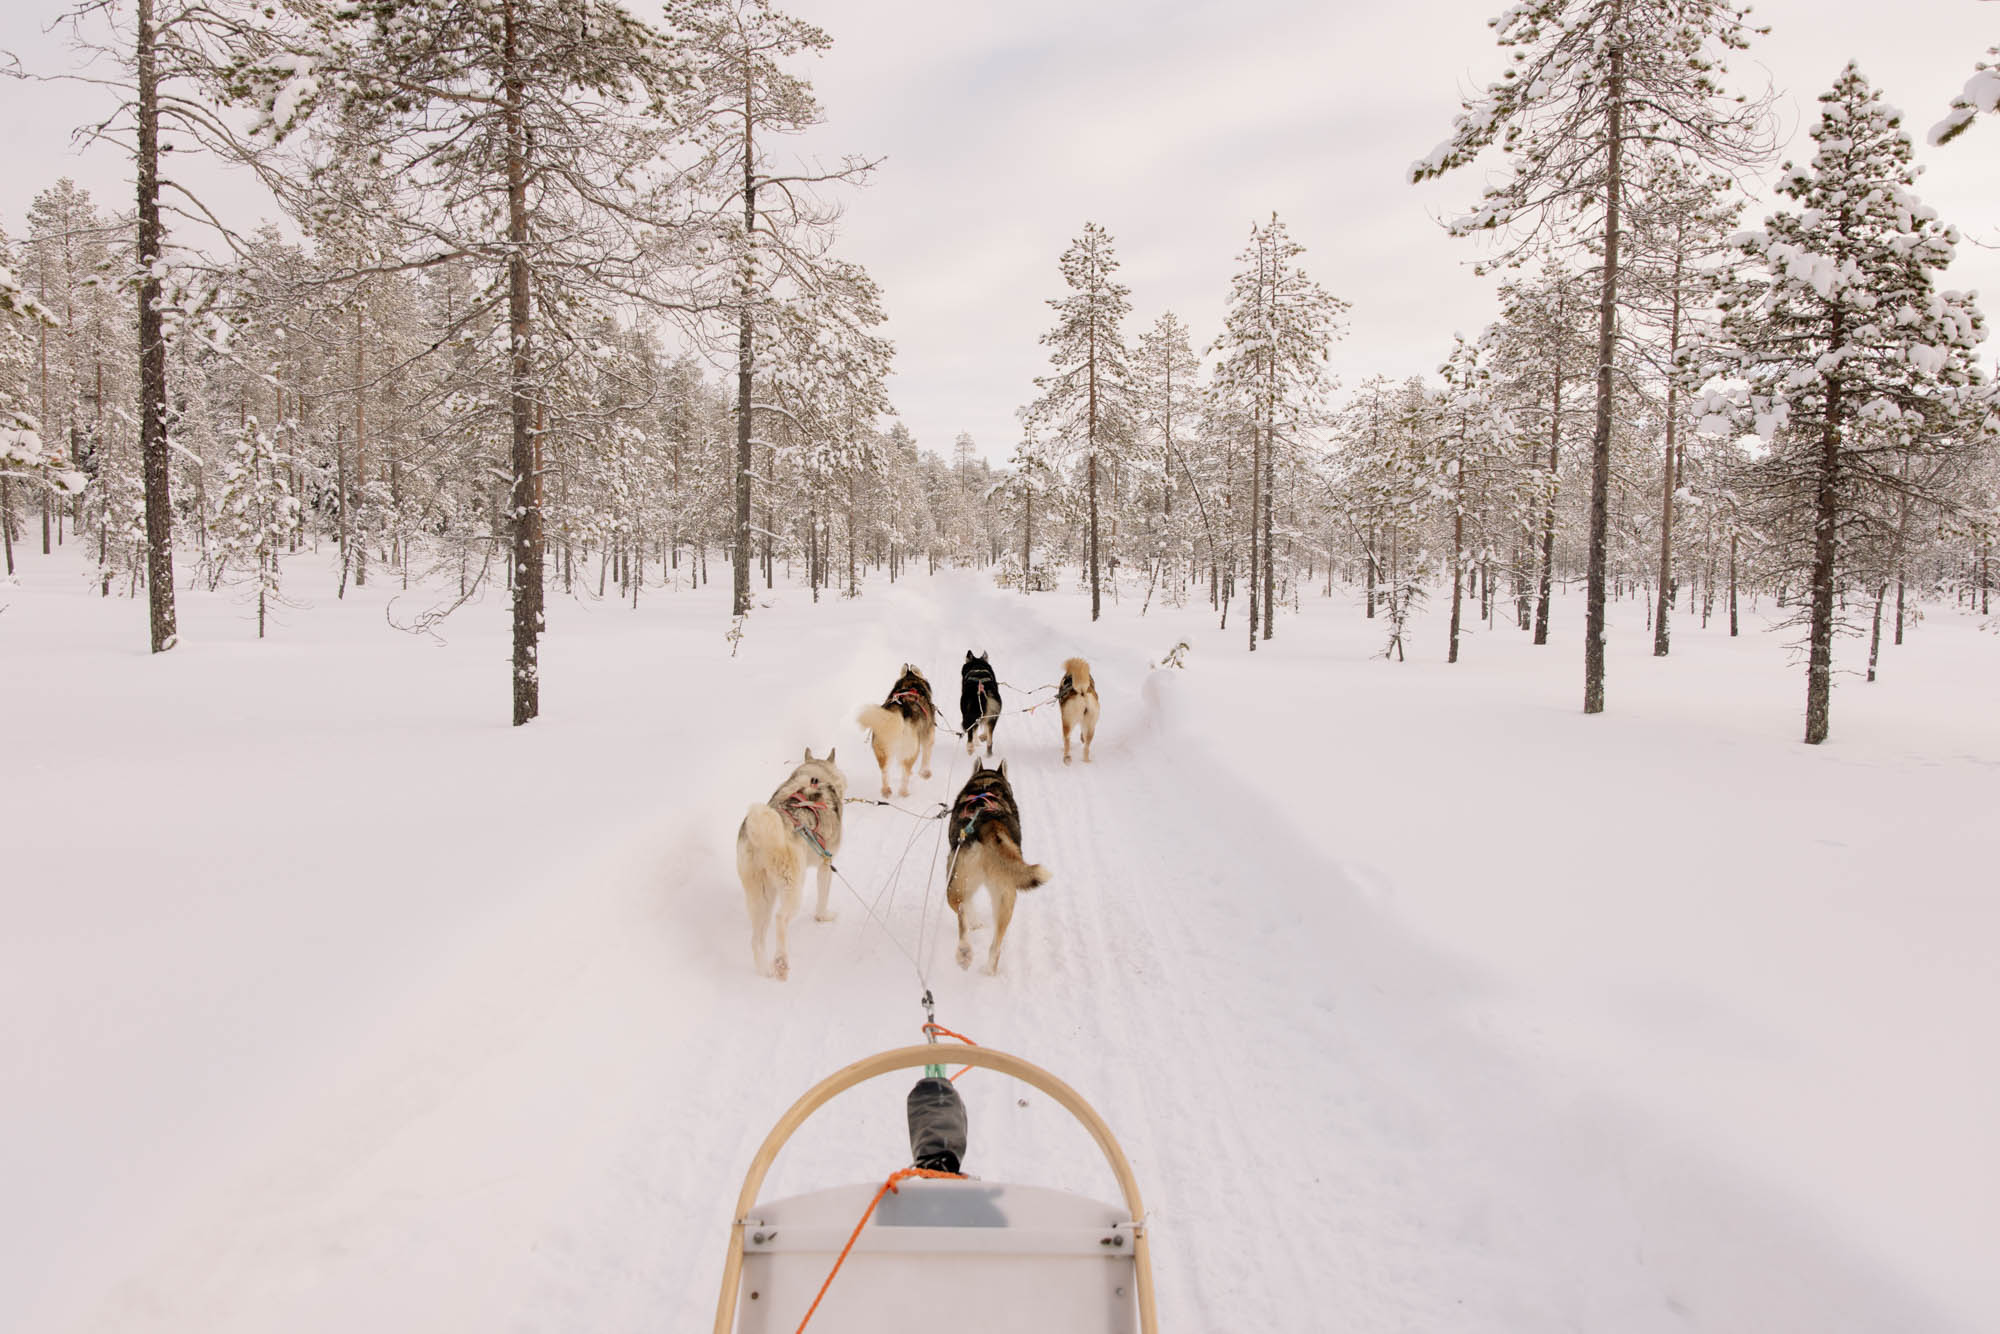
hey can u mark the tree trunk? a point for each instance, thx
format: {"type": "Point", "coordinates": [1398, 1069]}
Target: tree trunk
{"type": "Point", "coordinates": [360, 445]}
{"type": "Point", "coordinates": [1096, 601]}
{"type": "Point", "coordinates": [1732, 586]}
{"type": "Point", "coordinates": [1600, 444]}
{"type": "Point", "coordinates": [1826, 516]}
{"type": "Point", "coordinates": [1027, 535]}
{"type": "Point", "coordinates": [1549, 512]}
{"type": "Point", "coordinates": [745, 358]}
{"type": "Point", "coordinates": [1875, 634]}
{"type": "Point", "coordinates": [153, 448]}
{"type": "Point", "coordinates": [1457, 564]}
{"type": "Point", "coordinates": [1256, 483]}
{"type": "Point", "coordinates": [1660, 635]}
{"type": "Point", "coordinates": [525, 517]}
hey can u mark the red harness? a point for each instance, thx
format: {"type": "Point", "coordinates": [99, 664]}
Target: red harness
{"type": "Point", "coordinates": [804, 813]}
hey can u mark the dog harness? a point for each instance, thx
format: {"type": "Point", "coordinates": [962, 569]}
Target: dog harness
{"type": "Point", "coordinates": [970, 808]}
{"type": "Point", "coordinates": [804, 814]}
{"type": "Point", "coordinates": [918, 697]}
{"type": "Point", "coordinates": [1066, 690]}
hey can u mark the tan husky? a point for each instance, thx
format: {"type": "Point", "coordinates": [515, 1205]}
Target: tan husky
{"type": "Point", "coordinates": [903, 726]}
{"type": "Point", "coordinates": [799, 827]}
{"type": "Point", "coordinates": [1077, 698]}
{"type": "Point", "coordinates": [985, 835]}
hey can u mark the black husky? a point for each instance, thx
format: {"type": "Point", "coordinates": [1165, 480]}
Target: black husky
{"type": "Point", "coordinates": [978, 701]}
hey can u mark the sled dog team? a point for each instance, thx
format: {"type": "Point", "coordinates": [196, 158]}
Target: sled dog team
{"type": "Point", "coordinates": [799, 828]}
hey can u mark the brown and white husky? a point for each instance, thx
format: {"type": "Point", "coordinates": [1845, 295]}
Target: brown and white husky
{"type": "Point", "coordinates": [778, 841]}
{"type": "Point", "coordinates": [903, 727]}
{"type": "Point", "coordinates": [1076, 697]}
{"type": "Point", "coordinates": [985, 833]}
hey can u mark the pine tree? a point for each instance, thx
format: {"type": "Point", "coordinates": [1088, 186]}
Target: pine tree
{"type": "Point", "coordinates": [1167, 390]}
{"type": "Point", "coordinates": [527, 136]}
{"type": "Point", "coordinates": [1088, 397]}
{"type": "Point", "coordinates": [1981, 94]}
{"type": "Point", "coordinates": [1678, 243]}
{"type": "Point", "coordinates": [771, 234]}
{"type": "Point", "coordinates": [1847, 358]}
{"type": "Point", "coordinates": [256, 514]}
{"type": "Point", "coordinates": [24, 457]}
{"type": "Point", "coordinates": [1276, 334]}
{"type": "Point", "coordinates": [1591, 79]}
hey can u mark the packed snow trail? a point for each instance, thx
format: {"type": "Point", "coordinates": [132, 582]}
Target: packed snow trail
{"type": "Point", "coordinates": [546, 1127]}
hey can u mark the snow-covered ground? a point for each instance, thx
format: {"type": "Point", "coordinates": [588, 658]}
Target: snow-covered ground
{"type": "Point", "coordinates": [1420, 1001]}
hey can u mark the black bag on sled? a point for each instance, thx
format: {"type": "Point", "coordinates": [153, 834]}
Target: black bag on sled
{"type": "Point", "coordinates": [937, 1125]}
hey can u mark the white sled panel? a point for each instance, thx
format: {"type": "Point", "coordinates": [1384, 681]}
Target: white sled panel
{"type": "Point", "coordinates": [968, 1256]}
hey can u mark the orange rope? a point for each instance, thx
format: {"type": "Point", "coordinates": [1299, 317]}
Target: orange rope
{"type": "Point", "coordinates": [939, 1030]}
{"type": "Point", "coordinates": [887, 1187]}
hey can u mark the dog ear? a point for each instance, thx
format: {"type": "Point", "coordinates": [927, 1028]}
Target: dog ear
{"type": "Point", "coordinates": [809, 754]}
{"type": "Point", "coordinates": [986, 658]}
{"type": "Point", "coordinates": [968, 655]}
{"type": "Point", "coordinates": [1003, 768]}
{"type": "Point", "coordinates": [829, 754]}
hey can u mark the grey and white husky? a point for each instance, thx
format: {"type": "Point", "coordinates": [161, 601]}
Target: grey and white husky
{"type": "Point", "coordinates": [798, 828]}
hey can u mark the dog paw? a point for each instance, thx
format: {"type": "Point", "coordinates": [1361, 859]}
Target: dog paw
{"type": "Point", "coordinates": [828, 916]}
{"type": "Point", "coordinates": [926, 774]}
{"type": "Point", "coordinates": [1066, 759]}
{"type": "Point", "coordinates": [783, 968]}
{"type": "Point", "coordinates": [965, 956]}
{"type": "Point", "coordinates": [885, 790]}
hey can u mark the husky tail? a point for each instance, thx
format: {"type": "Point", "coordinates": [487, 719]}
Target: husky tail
{"type": "Point", "coordinates": [766, 858]}
{"type": "Point", "coordinates": [1008, 864]}
{"type": "Point", "coordinates": [886, 724]}
{"type": "Point", "coordinates": [1078, 672]}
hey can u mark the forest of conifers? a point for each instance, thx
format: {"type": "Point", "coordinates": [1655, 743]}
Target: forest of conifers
{"type": "Point", "coordinates": [544, 303]}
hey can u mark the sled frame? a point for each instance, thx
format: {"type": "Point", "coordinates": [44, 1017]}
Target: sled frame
{"type": "Point", "coordinates": [906, 1058]}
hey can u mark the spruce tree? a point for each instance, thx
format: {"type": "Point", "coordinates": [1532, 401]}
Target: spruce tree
{"type": "Point", "coordinates": [1842, 352]}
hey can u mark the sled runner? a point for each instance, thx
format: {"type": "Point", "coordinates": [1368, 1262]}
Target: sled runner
{"type": "Point", "coordinates": [933, 1249]}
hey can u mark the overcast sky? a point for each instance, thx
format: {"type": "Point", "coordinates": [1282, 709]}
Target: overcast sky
{"type": "Point", "coordinates": [1175, 123]}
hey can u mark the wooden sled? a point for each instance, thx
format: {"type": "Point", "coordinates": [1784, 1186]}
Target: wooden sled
{"type": "Point", "coordinates": [967, 1255]}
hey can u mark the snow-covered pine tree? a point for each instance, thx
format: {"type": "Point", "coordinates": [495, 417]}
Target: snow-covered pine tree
{"type": "Point", "coordinates": [1089, 394]}
{"type": "Point", "coordinates": [1483, 490]}
{"type": "Point", "coordinates": [1167, 391]}
{"type": "Point", "coordinates": [1680, 228]}
{"type": "Point", "coordinates": [770, 232]}
{"type": "Point", "coordinates": [1590, 79]}
{"type": "Point", "coordinates": [1545, 348]}
{"type": "Point", "coordinates": [24, 457]}
{"type": "Point", "coordinates": [1980, 94]}
{"type": "Point", "coordinates": [529, 137]}
{"type": "Point", "coordinates": [256, 513]}
{"type": "Point", "coordinates": [1844, 355]}
{"type": "Point", "coordinates": [178, 61]}
{"type": "Point", "coordinates": [1276, 335]}
{"type": "Point", "coordinates": [1033, 479]}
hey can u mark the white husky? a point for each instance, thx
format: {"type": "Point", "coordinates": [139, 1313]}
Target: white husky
{"type": "Point", "coordinates": [797, 828]}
